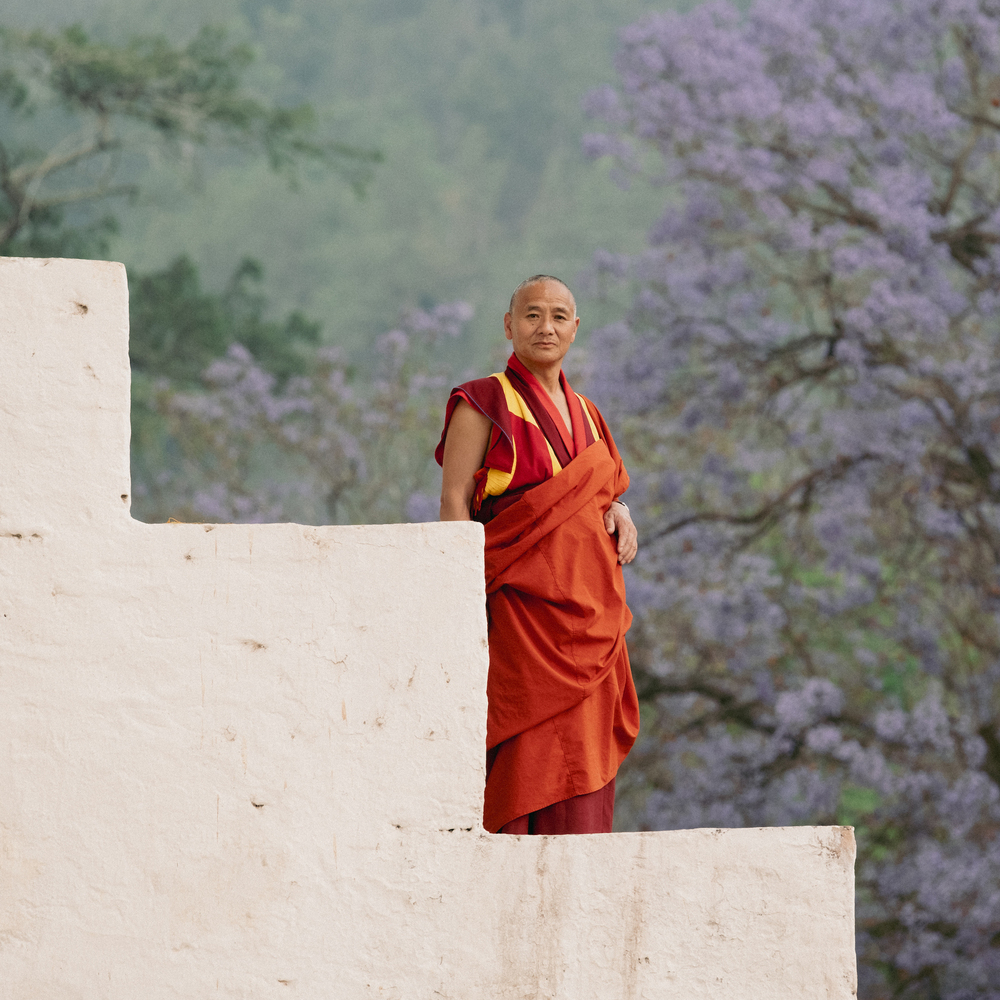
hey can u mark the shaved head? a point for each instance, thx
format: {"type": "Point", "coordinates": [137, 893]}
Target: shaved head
{"type": "Point", "coordinates": [534, 280]}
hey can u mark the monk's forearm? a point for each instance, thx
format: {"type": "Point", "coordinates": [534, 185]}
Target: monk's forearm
{"type": "Point", "coordinates": [455, 507]}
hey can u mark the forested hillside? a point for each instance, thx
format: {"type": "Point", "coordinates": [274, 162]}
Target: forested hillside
{"type": "Point", "coordinates": [476, 106]}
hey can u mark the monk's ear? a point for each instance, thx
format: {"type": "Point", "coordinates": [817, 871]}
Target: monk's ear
{"type": "Point", "coordinates": [508, 332]}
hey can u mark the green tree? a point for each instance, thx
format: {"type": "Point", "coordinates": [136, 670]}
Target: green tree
{"type": "Point", "coordinates": [179, 328]}
{"type": "Point", "coordinates": [78, 114]}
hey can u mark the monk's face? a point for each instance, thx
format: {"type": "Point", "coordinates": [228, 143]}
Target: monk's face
{"type": "Point", "coordinates": [543, 324]}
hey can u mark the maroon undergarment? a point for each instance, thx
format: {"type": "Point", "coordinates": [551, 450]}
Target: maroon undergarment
{"type": "Point", "coordinates": [590, 813]}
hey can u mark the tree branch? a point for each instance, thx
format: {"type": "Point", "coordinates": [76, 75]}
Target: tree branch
{"type": "Point", "coordinates": [772, 509]}
{"type": "Point", "coordinates": [54, 161]}
{"type": "Point", "coordinates": [86, 194]}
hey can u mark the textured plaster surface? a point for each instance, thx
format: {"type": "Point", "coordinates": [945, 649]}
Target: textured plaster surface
{"type": "Point", "coordinates": [247, 761]}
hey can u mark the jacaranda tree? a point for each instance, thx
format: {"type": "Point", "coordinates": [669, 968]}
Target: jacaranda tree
{"type": "Point", "coordinates": [808, 388]}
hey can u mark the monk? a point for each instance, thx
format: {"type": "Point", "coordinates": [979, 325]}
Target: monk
{"type": "Point", "coordinates": [536, 464]}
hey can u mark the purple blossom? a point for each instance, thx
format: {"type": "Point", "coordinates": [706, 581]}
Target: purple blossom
{"type": "Point", "coordinates": [327, 447]}
{"type": "Point", "coordinates": [807, 390]}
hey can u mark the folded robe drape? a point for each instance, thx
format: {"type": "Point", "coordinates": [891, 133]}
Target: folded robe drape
{"type": "Point", "coordinates": [563, 712]}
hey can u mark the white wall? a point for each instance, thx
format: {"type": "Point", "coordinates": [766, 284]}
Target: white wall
{"type": "Point", "coordinates": [247, 761]}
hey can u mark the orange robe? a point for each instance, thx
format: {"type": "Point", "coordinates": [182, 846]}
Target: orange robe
{"type": "Point", "coordinates": [563, 712]}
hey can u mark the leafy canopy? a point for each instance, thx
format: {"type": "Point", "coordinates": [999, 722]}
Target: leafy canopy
{"type": "Point", "coordinates": [178, 328]}
{"type": "Point", "coordinates": [97, 102]}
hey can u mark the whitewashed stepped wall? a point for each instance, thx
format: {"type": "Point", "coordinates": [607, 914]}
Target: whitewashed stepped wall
{"type": "Point", "coordinates": [247, 761]}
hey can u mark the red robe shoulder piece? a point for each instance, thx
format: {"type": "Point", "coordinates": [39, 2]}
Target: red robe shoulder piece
{"type": "Point", "coordinates": [563, 712]}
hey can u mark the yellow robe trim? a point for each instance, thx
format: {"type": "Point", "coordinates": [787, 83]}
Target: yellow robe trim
{"type": "Point", "coordinates": [497, 481]}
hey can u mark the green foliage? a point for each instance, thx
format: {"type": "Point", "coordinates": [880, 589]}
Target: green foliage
{"type": "Point", "coordinates": [855, 804]}
{"type": "Point", "coordinates": [100, 101]}
{"type": "Point", "coordinates": [177, 328]}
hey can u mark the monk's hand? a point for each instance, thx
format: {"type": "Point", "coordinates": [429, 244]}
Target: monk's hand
{"type": "Point", "coordinates": [618, 521]}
